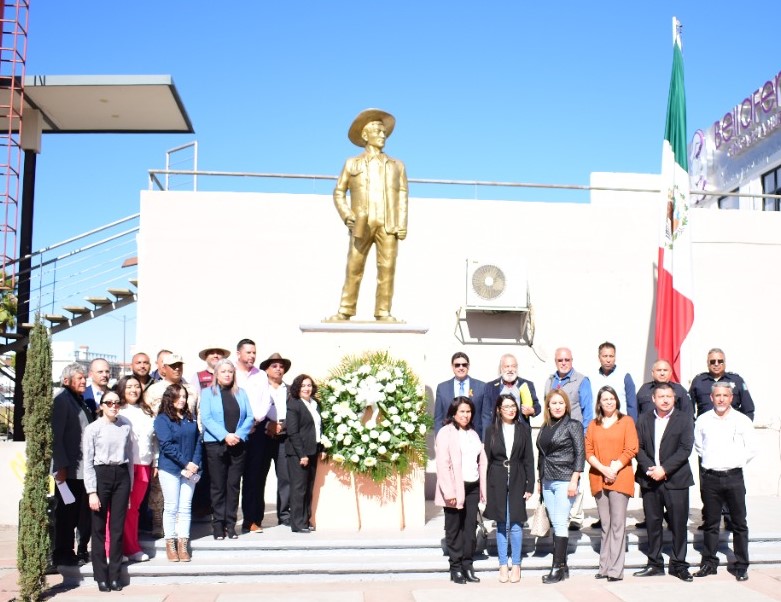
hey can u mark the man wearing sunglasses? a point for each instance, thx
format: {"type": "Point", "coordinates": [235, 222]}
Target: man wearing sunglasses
{"type": "Point", "coordinates": [700, 390]}
{"type": "Point", "coordinates": [461, 385]}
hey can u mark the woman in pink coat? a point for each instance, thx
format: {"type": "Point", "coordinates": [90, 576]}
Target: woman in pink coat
{"type": "Point", "coordinates": [461, 469]}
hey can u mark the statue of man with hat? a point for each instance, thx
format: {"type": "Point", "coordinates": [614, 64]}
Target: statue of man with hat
{"type": "Point", "coordinates": [376, 213]}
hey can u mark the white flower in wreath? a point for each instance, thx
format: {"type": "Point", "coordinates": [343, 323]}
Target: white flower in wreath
{"type": "Point", "coordinates": [365, 438]}
{"type": "Point", "coordinates": [385, 436]}
{"type": "Point", "coordinates": [390, 387]}
{"type": "Point", "coordinates": [395, 419]}
{"type": "Point", "coordinates": [407, 405]}
{"type": "Point", "coordinates": [339, 436]}
{"type": "Point", "coordinates": [360, 451]}
{"type": "Point", "coordinates": [422, 429]}
{"type": "Point", "coordinates": [370, 461]}
{"type": "Point", "coordinates": [355, 459]}
{"type": "Point", "coordinates": [339, 458]}
{"type": "Point", "coordinates": [385, 423]}
{"type": "Point", "coordinates": [372, 446]}
{"type": "Point", "coordinates": [394, 456]}
{"type": "Point", "coordinates": [393, 410]}
{"type": "Point", "coordinates": [384, 375]}
{"type": "Point", "coordinates": [342, 429]}
{"type": "Point", "coordinates": [413, 417]}
{"type": "Point", "coordinates": [348, 440]}
{"type": "Point", "coordinates": [373, 434]}
{"type": "Point", "coordinates": [419, 390]}
{"type": "Point", "coordinates": [397, 431]}
{"type": "Point", "coordinates": [338, 418]}
{"type": "Point", "coordinates": [410, 428]}
{"type": "Point", "coordinates": [397, 372]}
{"type": "Point", "coordinates": [325, 441]}
{"type": "Point", "coordinates": [365, 369]}
{"type": "Point", "coordinates": [370, 424]}
{"type": "Point", "coordinates": [382, 450]}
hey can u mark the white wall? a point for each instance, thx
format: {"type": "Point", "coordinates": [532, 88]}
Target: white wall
{"type": "Point", "coordinates": [218, 266]}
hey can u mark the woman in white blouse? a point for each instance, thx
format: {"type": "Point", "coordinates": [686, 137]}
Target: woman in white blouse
{"type": "Point", "coordinates": [142, 420]}
{"type": "Point", "coordinates": [107, 447]}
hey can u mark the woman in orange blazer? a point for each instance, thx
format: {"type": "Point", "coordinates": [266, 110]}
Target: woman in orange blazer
{"type": "Point", "coordinates": [611, 443]}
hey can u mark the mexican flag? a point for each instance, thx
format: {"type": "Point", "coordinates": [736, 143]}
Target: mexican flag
{"type": "Point", "coordinates": [674, 294]}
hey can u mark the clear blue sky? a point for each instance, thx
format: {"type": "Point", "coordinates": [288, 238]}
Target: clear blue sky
{"type": "Point", "coordinates": [506, 90]}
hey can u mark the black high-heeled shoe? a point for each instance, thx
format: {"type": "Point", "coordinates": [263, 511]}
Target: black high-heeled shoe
{"type": "Point", "coordinates": [469, 575]}
{"type": "Point", "coordinates": [457, 576]}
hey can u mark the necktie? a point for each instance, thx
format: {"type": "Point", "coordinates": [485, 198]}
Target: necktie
{"type": "Point", "coordinates": [461, 388]}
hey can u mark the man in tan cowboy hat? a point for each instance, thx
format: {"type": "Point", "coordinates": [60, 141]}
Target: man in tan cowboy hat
{"type": "Point", "coordinates": [210, 355]}
{"type": "Point", "coordinates": [270, 425]}
{"type": "Point", "coordinates": [376, 213]}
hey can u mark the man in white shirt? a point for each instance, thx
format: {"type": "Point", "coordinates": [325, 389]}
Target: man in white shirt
{"type": "Point", "coordinates": [99, 374]}
{"type": "Point", "coordinates": [725, 441]}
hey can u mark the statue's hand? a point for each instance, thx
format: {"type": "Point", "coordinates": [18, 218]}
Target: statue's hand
{"type": "Point", "coordinates": [350, 223]}
{"type": "Point", "coordinates": [401, 234]}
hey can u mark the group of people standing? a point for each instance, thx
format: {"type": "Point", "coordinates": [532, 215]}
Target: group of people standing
{"type": "Point", "coordinates": [484, 453]}
{"type": "Point", "coordinates": [113, 447]}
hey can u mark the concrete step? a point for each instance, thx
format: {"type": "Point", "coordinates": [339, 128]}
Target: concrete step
{"type": "Point", "coordinates": [278, 555]}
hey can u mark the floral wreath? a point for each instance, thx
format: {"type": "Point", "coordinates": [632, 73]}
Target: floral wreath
{"type": "Point", "coordinates": [375, 417]}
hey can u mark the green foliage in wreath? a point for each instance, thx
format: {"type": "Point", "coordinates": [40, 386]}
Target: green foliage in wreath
{"type": "Point", "coordinates": [374, 415]}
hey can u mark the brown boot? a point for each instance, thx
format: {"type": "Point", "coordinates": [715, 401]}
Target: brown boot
{"type": "Point", "coordinates": [184, 555]}
{"type": "Point", "coordinates": [170, 550]}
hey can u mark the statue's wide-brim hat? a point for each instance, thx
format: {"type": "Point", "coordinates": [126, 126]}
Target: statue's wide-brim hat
{"type": "Point", "coordinates": [367, 116]}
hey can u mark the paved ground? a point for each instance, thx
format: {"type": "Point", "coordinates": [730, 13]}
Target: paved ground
{"type": "Point", "coordinates": [764, 583]}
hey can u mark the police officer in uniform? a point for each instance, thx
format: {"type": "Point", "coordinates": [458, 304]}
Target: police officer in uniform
{"type": "Point", "coordinates": [700, 390]}
{"type": "Point", "coordinates": [662, 372]}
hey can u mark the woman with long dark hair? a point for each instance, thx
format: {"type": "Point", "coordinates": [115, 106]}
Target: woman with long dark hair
{"type": "Point", "coordinates": [302, 447]}
{"type": "Point", "coordinates": [142, 421]}
{"type": "Point", "coordinates": [611, 443]}
{"type": "Point", "coordinates": [461, 469]}
{"type": "Point", "coordinates": [178, 466]}
{"type": "Point", "coordinates": [108, 451]}
{"type": "Point", "coordinates": [560, 463]}
{"type": "Point", "coordinates": [509, 481]}
{"type": "Point", "coordinates": [227, 419]}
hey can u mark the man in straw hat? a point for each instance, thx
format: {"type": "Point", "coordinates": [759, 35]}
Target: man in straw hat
{"type": "Point", "coordinates": [211, 355]}
{"type": "Point", "coordinates": [376, 213]}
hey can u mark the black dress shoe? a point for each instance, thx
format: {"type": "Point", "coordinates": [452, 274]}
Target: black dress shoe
{"type": "Point", "coordinates": [649, 571]}
{"type": "Point", "coordinates": [600, 576]}
{"type": "Point", "coordinates": [705, 570]}
{"type": "Point", "coordinates": [741, 575]}
{"type": "Point", "coordinates": [596, 524]}
{"type": "Point", "coordinates": [640, 525]}
{"type": "Point", "coordinates": [573, 527]}
{"type": "Point", "coordinates": [230, 533]}
{"type": "Point", "coordinates": [115, 586]}
{"type": "Point", "coordinates": [612, 579]}
{"type": "Point", "coordinates": [457, 577]}
{"type": "Point", "coordinates": [469, 575]}
{"type": "Point", "coordinates": [683, 575]}
{"type": "Point", "coordinates": [304, 530]}
{"type": "Point", "coordinates": [103, 586]}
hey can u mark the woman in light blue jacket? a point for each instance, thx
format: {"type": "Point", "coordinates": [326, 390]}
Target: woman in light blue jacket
{"type": "Point", "coordinates": [226, 418]}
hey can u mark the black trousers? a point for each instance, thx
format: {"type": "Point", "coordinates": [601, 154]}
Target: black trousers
{"type": "Point", "coordinates": [460, 529]}
{"type": "Point", "coordinates": [302, 484]}
{"type": "Point", "coordinates": [114, 493]}
{"type": "Point", "coordinates": [677, 503]}
{"type": "Point", "coordinates": [719, 490]}
{"type": "Point", "coordinates": [226, 465]}
{"type": "Point", "coordinates": [262, 451]}
{"type": "Point", "coordinates": [68, 518]}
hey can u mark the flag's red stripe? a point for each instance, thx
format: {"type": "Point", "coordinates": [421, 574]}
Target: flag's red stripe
{"type": "Point", "coordinates": [674, 318]}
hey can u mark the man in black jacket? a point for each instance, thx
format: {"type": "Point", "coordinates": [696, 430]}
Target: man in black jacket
{"type": "Point", "coordinates": [666, 437]}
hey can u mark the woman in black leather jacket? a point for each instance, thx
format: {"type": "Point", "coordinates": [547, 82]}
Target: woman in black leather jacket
{"type": "Point", "coordinates": [561, 460]}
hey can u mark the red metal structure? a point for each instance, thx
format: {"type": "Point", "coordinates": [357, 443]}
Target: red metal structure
{"type": "Point", "coordinates": [13, 56]}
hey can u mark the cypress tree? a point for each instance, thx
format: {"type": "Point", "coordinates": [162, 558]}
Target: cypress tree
{"type": "Point", "coordinates": [33, 548]}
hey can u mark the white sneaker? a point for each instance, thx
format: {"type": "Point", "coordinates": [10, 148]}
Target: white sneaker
{"type": "Point", "coordinates": [123, 560]}
{"type": "Point", "coordinates": [139, 557]}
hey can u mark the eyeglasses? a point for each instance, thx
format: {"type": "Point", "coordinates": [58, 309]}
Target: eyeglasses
{"type": "Point", "coordinates": [564, 359]}
{"type": "Point", "coordinates": [715, 362]}
{"type": "Point", "coordinates": [461, 365]}
{"type": "Point", "coordinates": [112, 403]}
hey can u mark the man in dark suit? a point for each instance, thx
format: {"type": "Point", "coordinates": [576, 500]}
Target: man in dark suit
{"type": "Point", "coordinates": [70, 415]}
{"type": "Point", "coordinates": [666, 438]}
{"type": "Point", "coordinates": [461, 385]}
{"type": "Point", "coordinates": [99, 373]}
{"type": "Point", "coordinates": [509, 382]}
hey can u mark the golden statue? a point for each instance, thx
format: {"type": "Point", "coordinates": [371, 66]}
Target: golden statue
{"type": "Point", "coordinates": [376, 213]}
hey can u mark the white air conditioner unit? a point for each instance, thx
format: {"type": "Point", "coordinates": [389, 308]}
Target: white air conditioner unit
{"type": "Point", "coordinates": [496, 286]}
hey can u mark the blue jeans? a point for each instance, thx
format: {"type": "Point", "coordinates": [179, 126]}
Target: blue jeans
{"type": "Point", "coordinates": [177, 504]}
{"type": "Point", "coordinates": [558, 504]}
{"type": "Point", "coordinates": [516, 533]}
